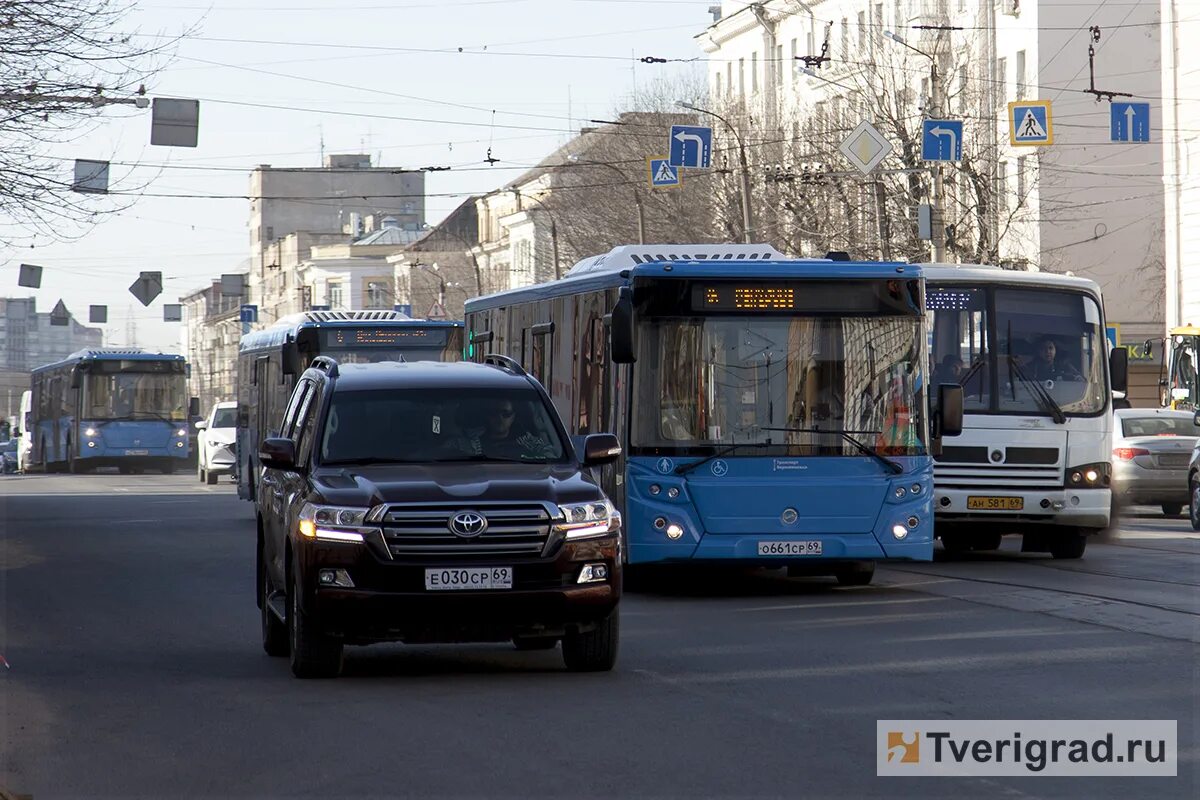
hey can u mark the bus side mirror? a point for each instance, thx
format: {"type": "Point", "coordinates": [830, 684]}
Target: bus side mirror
{"type": "Point", "coordinates": [75, 379]}
{"type": "Point", "coordinates": [620, 330]}
{"type": "Point", "coordinates": [949, 420]}
{"type": "Point", "coordinates": [194, 407]}
{"type": "Point", "coordinates": [291, 359]}
{"type": "Point", "coordinates": [1118, 369]}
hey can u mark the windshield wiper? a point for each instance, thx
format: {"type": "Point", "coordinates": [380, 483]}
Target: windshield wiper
{"type": "Point", "coordinates": [684, 469]}
{"type": "Point", "coordinates": [862, 447]}
{"type": "Point", "coordinates": [1038, 391]}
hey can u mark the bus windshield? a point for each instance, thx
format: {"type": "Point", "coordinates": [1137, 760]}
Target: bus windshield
{"type": "Point", "coordinates": [1017, 350]}
{"type": "Point", "coordinates": [707, 382]}
{"type": "Point", "coordinates": [135, 395]}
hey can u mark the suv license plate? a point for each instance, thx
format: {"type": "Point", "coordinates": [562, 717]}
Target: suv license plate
{"type": "Point", "coordinates": [806, 548]}
{"type": "Point", "coordinates": [976, 503]}
{"type": "Point", "coordinates": [468, 578]}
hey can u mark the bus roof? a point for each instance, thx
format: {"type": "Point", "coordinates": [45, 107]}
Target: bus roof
{"type": "Point", "coordinates": [622, 264]}
{"type": "Point", "coordinates": [286, 327]}
{"type": "Point", "coordinates": [111, 354]}
{"type": "Point", "coordinates": [986, 273]}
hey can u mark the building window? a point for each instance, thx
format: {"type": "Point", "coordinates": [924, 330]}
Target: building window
{"type": "Point", "coordinates": [742, 77]}
{"type": "Point", "coordinates": [777, 67]}
{"type": "Point", "coordinates": [845, 39]}
{"type": "Point", "coordinates": [1022, 180]}
{"type": "Point", "coordinates": [729, 77]}
{"type": "Point", "coordinates": [1002, 80]}
{"type": "Point", "coordinates": [1002, 186]}
{"type": "Point", "coordinates": [1020, 66]}
{"type": "Point", "coordinates": [718, 83]}
{"type": "Point", "coordinates": [812, 43]}
{"type": "Point", "coordinates": [962, 88]}
{"type": "Point", "coordinates": [336, 295]}
{"type": "Point", "coordinates": [379, 294]}
{"type": "Point", "coordinates": [792, 63]}
{"type": "Point", "coordinates": [754, 71]}
{"type": "Point", "coordinates": [862, 30]}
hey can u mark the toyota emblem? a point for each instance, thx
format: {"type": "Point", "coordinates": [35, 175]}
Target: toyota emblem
{"type": "Point", "coordinates": [468, 524]}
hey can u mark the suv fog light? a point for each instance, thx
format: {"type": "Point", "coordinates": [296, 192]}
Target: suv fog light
{"type": "Point", "coordinates": [335, 577]}
{"type": "Point", "coordinates": [899, 531]}
{"type": "Point", "coordinates": [674, 531]}
{"type": "Point", "coordinates": [91, 444]}
{"type": "Point", "coordinates": [593, 573]}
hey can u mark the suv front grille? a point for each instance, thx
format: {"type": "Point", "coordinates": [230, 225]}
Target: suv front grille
{"type": "Point", "coordinates": [423, 531]}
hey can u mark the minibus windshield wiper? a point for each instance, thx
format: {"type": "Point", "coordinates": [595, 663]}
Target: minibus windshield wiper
{"type": "Point", "coordinates": [1038, 391]}
{"type": "Point", "coordinates": [862, 447]}
{"type": "Point", "coordinates": [684, 469]}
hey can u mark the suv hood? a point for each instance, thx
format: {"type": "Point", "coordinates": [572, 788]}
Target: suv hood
{"type": "Point", "coordinates": [452, 483]}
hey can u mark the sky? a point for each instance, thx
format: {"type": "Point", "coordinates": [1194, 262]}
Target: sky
{"type": "Point", "coordinates": [275, 78]}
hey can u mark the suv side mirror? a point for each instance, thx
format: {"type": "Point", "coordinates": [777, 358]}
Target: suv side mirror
{"type": "Point", "coordinates": [600, 448]}
{"type": "Point", "coordinates": [277, 453]}
{"type": "Point", "coordinates": [201, 424]}
{"type": "Point", "coordinates": [620, 329]}
{"type": "Point", "coordinates": [194, 407]}
{"type": "Point", "coordinates": [1118, 369]}
{"type": "Point", "coordinates": [949, 420]}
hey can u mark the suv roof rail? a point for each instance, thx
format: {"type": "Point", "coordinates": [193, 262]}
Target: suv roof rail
{"type": "Point", "coordinates": [504, 363]}
{"type": "Point", "coordinates": [326, 364]}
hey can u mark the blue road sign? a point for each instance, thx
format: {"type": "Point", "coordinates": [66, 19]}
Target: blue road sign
{"type": "Point", "coordinates": [403, 308]}
{"type": "Point", "coordinates": [248, 314]}
{"type": "Point", "coordinates": [1030, 122]}
{"type": "Point", "coordinates": [1130, 122]}
{"type": "Point", "coordinates": [1110, 333]}
{"type": "Point", "coordinates": [691, 146]}
{"type": "Point", "coordinates": [941, 140]}
{"type": "Point", "coordinates": [662, 174]}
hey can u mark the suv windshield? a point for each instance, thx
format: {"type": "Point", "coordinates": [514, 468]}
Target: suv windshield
{"type": "Point", "coordinates": [225, 418]}
{"type": "Point", "coordinates": [440, 425]}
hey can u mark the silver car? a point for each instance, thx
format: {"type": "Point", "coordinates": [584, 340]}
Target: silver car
{"type": "Point", "coordinates": [1152, 449]}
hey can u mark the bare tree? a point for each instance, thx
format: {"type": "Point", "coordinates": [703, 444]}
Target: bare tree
{"type": "Point", "coordinates": [63, 63]}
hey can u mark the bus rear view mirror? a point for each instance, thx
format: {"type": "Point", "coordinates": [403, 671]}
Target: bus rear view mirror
{"type": "Point", "coordinates": [75, 378]}
{"type": "Point", "coordinates": [620, 330]}
{"type": "Point", "coordinates": [950, 410]}
{"type": "Point", "coordinates": [1118, 369]}
{"type": "Point", "coordinates": [291, 359]}
{"type": "Point", "coordinates": [194, 407]}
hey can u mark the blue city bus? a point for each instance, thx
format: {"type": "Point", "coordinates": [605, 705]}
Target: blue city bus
{"type": "Point", "coordinates": [270, 361]}
{"type": "Point", "coordinates": [125, 408]}
{"type": "Point", "coordinates": [772, 411]}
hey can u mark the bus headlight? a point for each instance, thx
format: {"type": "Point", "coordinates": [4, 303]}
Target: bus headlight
{"type": "Point", "coordinates": [181, 432]}
{"type": "Point", "coordinates": [1089, 476]}
{"type": "Point", "coordinates": [90, 432]}
{"type": "Point", "coordinates": [899, 531]}
{"type": "Point", "coordinates": [586, 520]}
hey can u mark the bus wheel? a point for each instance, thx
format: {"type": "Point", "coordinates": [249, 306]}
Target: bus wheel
{"type": "Point", "coordinates": [858, 574]}
{"type": "Point", "coordinates": [1068, 544]}
{"type": "Point", "coordinates": [124, 469]}
{"type": "Point", "coordinates": [168, 467]}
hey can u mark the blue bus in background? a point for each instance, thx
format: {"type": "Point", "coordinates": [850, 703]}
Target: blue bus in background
{"type": "Point", "coordinates": [270, 361]}
{"type": "Point", "coordinates": [773, 411]}
{"type": "Point", "coordinates": [126, 408]}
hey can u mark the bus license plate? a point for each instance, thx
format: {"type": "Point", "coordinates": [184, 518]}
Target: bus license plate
{"type": "Point", "coordinates": [806, 548]}
{"type": "Point", "coordinates": [137, 452]}
{"type": "Point", "coordinates": [468, 579]}
{"type": "Point", "coordinates": [995, 503]}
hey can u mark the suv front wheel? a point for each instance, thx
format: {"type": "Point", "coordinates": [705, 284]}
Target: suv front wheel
{"type": "Point", "coordinates": [596, 650]}
{"type": "Point", "coordinates": [314, 654]}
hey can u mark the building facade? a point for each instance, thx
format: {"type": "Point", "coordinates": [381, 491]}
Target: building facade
{"type": "Point", "coordinates": [29, 340]}
{"type": "Point", "coordinates": [212, 332]}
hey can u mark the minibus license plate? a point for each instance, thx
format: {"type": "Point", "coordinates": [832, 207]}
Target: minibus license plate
{"type": "Point", "coordinates": [995, 503]}
{"type": "Point", "coordinates": [468, 579]}
{"type": "Point", "coordinates": [806, 548]}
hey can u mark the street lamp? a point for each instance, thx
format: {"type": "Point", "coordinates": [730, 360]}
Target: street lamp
{"type": "Point", "coordinates": [747, 216]}
{"type": "Point", "coordinates": [637, 197]}
{"type": "Point", "coordinates": [935, 100]}
{"type": "Point", "coordinates": [433, 270]}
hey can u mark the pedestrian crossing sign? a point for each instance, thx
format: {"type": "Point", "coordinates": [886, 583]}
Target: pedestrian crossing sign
{"type": "Point", "coordinates": [1030, 123]}
{"type": "Point", "coordinates": [661, 174]}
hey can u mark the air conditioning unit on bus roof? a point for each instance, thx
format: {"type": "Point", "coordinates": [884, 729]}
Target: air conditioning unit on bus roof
{"type": "Point", "coordinates": [631, 255]}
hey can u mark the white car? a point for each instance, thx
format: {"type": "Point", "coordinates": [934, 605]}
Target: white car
{"type": "Point", "coordinates": [215, 443]}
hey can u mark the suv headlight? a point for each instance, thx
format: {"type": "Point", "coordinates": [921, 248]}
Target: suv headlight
{"type": "Point", "coordinates": [585, 520]}
{"type": "Point", "coordinates": [332, 523]}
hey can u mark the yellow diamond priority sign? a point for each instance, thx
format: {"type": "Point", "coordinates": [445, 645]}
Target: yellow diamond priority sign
{"type": "Point", "coordinates": [865, 147]}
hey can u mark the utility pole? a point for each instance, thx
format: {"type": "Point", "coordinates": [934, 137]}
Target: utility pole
{"type": "Point", "coordinates": [747, 215]}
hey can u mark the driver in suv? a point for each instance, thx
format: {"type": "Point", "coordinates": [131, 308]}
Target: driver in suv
{"type": "Point", "coordinates": [433, 502]}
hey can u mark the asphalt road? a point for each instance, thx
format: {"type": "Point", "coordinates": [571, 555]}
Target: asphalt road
{"type": "Point", "coordinates": [132, 637]}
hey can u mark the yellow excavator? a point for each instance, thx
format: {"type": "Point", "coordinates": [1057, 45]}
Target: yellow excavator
{"type": "Point", "coordinates": [1177, 385]}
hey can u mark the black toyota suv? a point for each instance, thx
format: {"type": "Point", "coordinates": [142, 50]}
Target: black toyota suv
{"type": "Point", "coordinates": [433, 502]}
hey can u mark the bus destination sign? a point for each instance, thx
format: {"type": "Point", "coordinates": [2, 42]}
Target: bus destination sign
{"type": "Point", "coordinates": [383, 337]}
